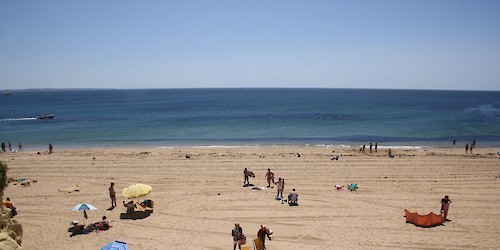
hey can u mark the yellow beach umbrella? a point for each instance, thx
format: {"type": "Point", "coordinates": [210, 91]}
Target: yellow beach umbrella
{"type": "Point", "coordinates": [137, 190]}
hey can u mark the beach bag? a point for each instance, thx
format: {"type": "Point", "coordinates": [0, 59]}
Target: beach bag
{"type": "Point", "coordinates": [243, 240]}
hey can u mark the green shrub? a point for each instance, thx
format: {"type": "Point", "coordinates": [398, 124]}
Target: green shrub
{"type": "Point", "coordinates": [3, 177]}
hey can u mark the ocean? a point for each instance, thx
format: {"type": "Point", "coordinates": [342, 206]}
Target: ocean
{"type": "Point", "coordinates": [248, 117]}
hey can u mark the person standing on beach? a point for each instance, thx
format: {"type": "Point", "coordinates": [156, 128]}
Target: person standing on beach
{"type": "Point", "coordinates": [112, 194]}
{"type": "Point", "coordinates": [445, 205]}
{"type": "Point", "coordinates": [470, 148]}
{"type": "Point", "coordinates": [246, 174]}
{"type": "Point", "coordinates": [3, 147]}
{"type": "Point", "coordinates": [20, 147]}
{"type": "Point", "coordinates": [281, 186]}
{"type": "Point", "coordinates": [371, 145]}
{"type": "Point", "coordinates": [10, 146]}
{"type": "Point", "coordinates": [269, 177]}
{"type": "Point", "coordinates": [467, 148]}
{"type": "Point", "coordinates": [238, 236]}
{"type": "Point", "coordinates": [376, 146]}
{"type": "Point", "coordinates": [473, 145]}
{"type": "Point", "coordinates": [262, 233]}
{"type": "Point", "coordinates": [50, 148]}
{"type": "Point", "coordinates": [454, 141]}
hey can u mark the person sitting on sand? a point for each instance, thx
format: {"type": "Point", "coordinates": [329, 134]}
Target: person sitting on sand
{"type": "Point", "coordinates": [10, 205]}
{"type": "Point", "coordinates": [100, 225]}
{"type": "Point", "coordinates": [293, 198]}
{"type": "Point", "coordinates": [269, 177]}
{"type": "Point", "coordinates": [147, 204]}
{"type": "Point", "coordinates": [389, 154]}
{"type": "Point", "coordinates": [133, 206]}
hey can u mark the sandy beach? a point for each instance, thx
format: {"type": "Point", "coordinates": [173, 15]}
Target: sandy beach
{"type": "Point", "coordinates": [199, 198]}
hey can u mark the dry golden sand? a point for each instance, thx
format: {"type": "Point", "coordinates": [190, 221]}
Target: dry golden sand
{"type": "Point", "coordinates": [198, 199]}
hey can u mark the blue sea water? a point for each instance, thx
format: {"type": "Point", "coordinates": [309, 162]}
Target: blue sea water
{"type": "Point", "coordinates": [228, 117]}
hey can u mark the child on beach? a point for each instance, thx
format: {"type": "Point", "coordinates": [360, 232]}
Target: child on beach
{"type": "Point", "coordinates": [269, 177]}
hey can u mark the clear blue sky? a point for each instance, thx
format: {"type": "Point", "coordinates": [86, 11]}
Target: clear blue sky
{"type": "Point", "coordinates": [424, 44]}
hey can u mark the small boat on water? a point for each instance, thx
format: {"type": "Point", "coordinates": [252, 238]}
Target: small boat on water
{"type": "Point", "coordinates": [45, 117]}
{"type": "Point", "coordinates": [6, 92]}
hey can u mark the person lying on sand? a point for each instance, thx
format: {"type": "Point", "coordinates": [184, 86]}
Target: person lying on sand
{"type": "Point", "coordinates": [78, 229]}
{"type": "Point", "coordinates": [100, 225]}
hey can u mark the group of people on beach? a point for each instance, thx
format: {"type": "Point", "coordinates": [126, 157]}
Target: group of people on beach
{"type": "Point", "coordinates": [468, 149]}
{"type": "Point", "coordinates": [11, 149]}
{"type": "Point", "coordinates": [240, 239]}
{"type": "Point", "coordinates": [280, 185]}
{"type": "Point", "coordinates": [371, 145]}
{"type": "Point", "coordinates": [77, 228]}
{"type": "Point", "coordinates": [20, 148]}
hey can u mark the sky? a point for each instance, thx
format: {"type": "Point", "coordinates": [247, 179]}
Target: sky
{"type": "Point", "coordinates": [381, 44]}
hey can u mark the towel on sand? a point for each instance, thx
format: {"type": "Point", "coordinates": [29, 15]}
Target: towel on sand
{"type": "Point", "coordinates": [69, 188]}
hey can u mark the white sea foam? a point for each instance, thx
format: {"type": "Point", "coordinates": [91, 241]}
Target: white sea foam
{"type": "Point", "coordinates": [18, 119]}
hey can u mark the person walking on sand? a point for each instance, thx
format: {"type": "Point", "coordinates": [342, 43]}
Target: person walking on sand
{"type": "Point", "coordinates": [371, 146]}
{"type": "Point", "coordinates": [445, 205]}
{"type": "Point", "coordinates": [246, 174]}
{"type": "Point", "coordinates": [10, 146]}
{"type": "Point", "coordinates": [112, 194]}
{"type": "Point", "coordinates": [238, 236]}
{"type": "Point", "coordinates": [269, 177]}
{"type": "Point", "coordinates": [467, 148]}
{"type": "Point", "coordinates": [20, 148]}
{"type": "Point", "coordinates": [376, 146]}
{"type": "Point", "coordinates": [471, 147]}
{"type": "Point", "coordinates": [50, 148]}
{"type": "Point", "coordinates": [3, 147]}
{"type": "Point", "coordinates": [262, 233]}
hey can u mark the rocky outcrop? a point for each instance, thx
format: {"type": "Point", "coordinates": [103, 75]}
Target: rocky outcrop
{"type": "Point", "coordinates": [11, 231]}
